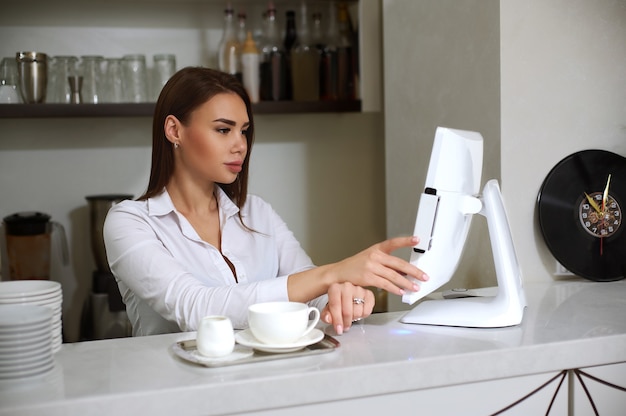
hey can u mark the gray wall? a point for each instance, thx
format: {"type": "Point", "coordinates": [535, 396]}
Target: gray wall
{"type": "Point", "coordinates": [445, 73]}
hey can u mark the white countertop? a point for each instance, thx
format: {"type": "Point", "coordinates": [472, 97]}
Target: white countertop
{"type": "Point", "coordinates": [568, 324]}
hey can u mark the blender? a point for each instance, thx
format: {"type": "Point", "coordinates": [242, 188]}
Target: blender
{"type": "Point", "coordinates": [28, 240]}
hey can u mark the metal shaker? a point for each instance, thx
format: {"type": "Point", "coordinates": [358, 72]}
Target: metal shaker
{"type": "Point", "coordinates": [76, 85]}
{"type": "Point", "coordinates": [32, 68]}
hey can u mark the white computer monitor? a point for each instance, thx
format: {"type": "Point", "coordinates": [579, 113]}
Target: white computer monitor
{"type": "Point", "coordinates": [447, 205]}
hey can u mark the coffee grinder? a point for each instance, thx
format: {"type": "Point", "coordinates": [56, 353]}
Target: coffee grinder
{"type": "Point", "coordinates": [105, 315]}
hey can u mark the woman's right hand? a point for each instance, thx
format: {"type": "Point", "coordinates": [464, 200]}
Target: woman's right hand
{"type": "Point", "coordinates": [347, 303]}
{"type": "Point", "coordinates": [376, 267]}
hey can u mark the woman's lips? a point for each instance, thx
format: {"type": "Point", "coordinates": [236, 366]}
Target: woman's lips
{"type": "Point", "coordinates": [234, 167]}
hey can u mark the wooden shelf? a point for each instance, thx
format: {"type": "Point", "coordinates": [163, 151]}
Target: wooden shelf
{"type": "Point", "coordinates": [293, 107]}
{"type": "Point", "coordinates": [147, 109]}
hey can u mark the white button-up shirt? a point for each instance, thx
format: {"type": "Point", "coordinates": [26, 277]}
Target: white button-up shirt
{"type": "Point", "coordinates": [170, 278]}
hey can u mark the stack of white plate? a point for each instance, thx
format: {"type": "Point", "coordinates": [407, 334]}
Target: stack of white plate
{"type": "Point", "coordinates": [37, 292]}
{"type": "Point", "coordinates": [25, 341]}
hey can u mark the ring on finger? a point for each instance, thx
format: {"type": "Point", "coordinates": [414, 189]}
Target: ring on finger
{"type": "Point", "coordinates": [358, 301]}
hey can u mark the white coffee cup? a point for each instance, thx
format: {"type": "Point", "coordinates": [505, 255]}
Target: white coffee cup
{"type": "Point", "coordinates": [215, 337]}
{"type": "Point", "coordinates": [281, 322]}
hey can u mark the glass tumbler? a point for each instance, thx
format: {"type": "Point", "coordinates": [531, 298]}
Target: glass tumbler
{"type": "Point", "coordinates": [64, 67]}
{"type": "Point", "coordinates": [9, 93]}
{"type": "Point", "coordinates": [50, 88]}
{"type": "Point", "coordinates": [113, 88]}
{"type": "Point", "coordinates": [164, 67]}
{"type": "Point", "coordinates": [91, 70]}
{"type": "Point", "coordinates": [134, 78]}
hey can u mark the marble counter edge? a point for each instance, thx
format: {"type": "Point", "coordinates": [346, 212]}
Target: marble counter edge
{"type": "Point", "coordinates": [347, 383]}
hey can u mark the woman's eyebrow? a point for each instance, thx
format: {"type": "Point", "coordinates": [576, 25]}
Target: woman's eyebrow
{"type": "Point", "coordinates": [230, 122]}
{"type": "Point", "coordinates": [226, 121]}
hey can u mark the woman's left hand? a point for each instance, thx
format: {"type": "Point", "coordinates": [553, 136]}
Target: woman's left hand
{"type": "Point", "coordinates": [347, 303]}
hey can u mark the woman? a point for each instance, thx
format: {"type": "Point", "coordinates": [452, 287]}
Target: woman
{"type": "Point", "coordinates": [197, 244]}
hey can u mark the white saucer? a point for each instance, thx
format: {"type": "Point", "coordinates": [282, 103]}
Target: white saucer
{"type": "Point", "coordinates": [192, 354]}
{"type": "Point", "coordinates": [246, 338]}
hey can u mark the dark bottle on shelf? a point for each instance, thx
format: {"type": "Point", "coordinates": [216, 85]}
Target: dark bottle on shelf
{"type": "Point", "coordinates": [291, 37]}
{"type": "Point", "coordinates": [328, 59]}
{"type": "Point", "coordinates": [345, 57]}
{"type": "Point", "coordinates": [273, 68]}
{"type": "Point", "coordinates": [356, 68]}
{"type": "Point", "coordinates": [319, 41]}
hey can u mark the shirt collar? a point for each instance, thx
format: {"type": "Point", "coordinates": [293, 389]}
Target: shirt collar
{"type": "Point", "coordinates": [162, 204]}
{"type": "Point", "coordinates": [226, 205]}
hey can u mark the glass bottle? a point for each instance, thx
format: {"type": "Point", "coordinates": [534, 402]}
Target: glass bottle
{"type": "Point", "coordinates": [250, 62]}
{"type": "Point", "coordinates": [319, 41]}
{"type": "Point", "coordinates": [328, 58]}
{"type": "Point", "coordinates": [291, 36]}
{"type": "Point", "coordinates": [259, 32]}
{"type": "Point", "coordinates": [228, 50]}
{"type": "Point", "coordinates": [273, 68]}
{"type": "Point", "coordinates": [305, 63]}
{"type": "Point", "coordinates": [290, 31]}
{"type": "Point", "coordinates": [242, 32]}
{"type": "Point", "coordinates": [345, 64]}
{"type": "Point", "coordinates": [317, 35]}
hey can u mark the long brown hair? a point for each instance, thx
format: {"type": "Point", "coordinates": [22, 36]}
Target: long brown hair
{"type": "Point", "coordinates": [185, 91]}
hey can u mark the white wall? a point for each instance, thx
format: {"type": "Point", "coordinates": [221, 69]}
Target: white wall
{"type": "Point", "coordinates": [322, 172]}
{"type": "Point", "coordinates": [563, 90]}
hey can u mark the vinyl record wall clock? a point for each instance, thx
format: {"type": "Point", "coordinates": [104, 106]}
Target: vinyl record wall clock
{"type": "Point", "coordinates": [580, 208]}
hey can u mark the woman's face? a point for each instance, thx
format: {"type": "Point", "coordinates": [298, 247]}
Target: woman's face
{"type": "Point", "coordinates": [213, 144]}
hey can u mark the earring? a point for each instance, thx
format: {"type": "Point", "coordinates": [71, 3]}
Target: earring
{"type": "Point", "coordinates": [175, 145]}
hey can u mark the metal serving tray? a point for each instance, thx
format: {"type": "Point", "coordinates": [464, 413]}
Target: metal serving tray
{"type": "Point", "coordinates": [187, 351]}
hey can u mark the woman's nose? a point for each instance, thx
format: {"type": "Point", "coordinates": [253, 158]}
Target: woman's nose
{"type": "Point", "coordinates": [241, 144]}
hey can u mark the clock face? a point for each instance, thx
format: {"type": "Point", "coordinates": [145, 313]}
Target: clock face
{"type": "Point", "coordinates": [597, 221]}
{"type": "Point", "coordinates": [579, 209]}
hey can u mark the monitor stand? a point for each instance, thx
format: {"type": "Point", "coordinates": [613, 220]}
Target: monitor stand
{"type": "Point", "coordinates": [504, 309]}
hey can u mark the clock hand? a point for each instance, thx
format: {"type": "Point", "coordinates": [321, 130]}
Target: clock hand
{"type": "Point", "coordinates": [593, 204]}
{"type": "Point", "coordinates": [606, 193]}
{"type": "Point", "coordinates": [604, 198]}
